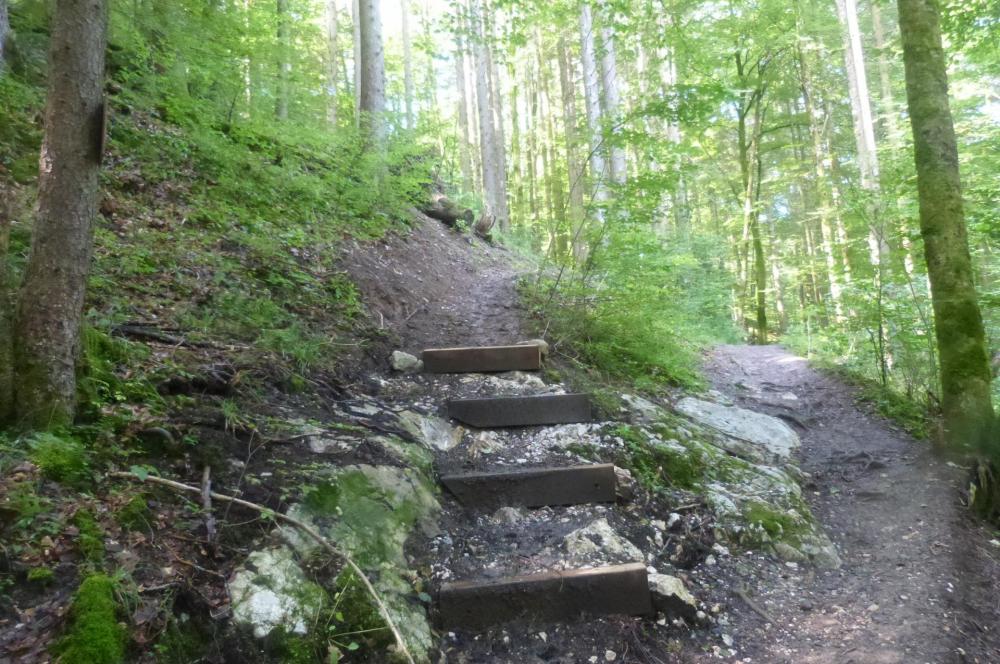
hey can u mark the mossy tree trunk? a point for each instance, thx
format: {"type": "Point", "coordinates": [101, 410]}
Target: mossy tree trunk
{"type": "Point", "coordinates": [51, 302]}
{"type": "Point", "coordinates": [6, 333]}
{"type": "Point", "coordinates": [4, 34]}
{"type": "Point", "coordinates": [965, 371]}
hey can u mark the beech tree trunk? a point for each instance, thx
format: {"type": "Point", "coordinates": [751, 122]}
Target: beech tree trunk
{"type": "Point", "coordinates": [854, 63]}
{"type": "Point", "coordinates": [284, 66]}
{"type": "Point", "coordinates": [958, 323]}
{"type": "Point", "coordinates": [496, 108]}
{"type": "Point", "coordinates": [50, 316]}
{"type": "Point", "coordinates": [464, 148]}
{"type": "Point", "coordinates": [371, 86]}
{"type": "Point", "coordinates": [592, 95]}
{"type": "Point", "coordinates": [4, 34]}
{"type": "Point", "coordinates": [356, 20]}
{"type": "Point", "coordinates": [332, 55]}
{"type": "Point", "coordinates": [574, 166]}
{"type": "Point", "coordinates": [612, 103]}
{"type": "Point", "coordinates": [407, 64]}
{"type": "Point", "coordinates": [494, 188]}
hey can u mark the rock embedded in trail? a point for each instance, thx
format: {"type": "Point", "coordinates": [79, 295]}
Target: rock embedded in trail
{"type": "Point", "coordinates": [598, 542]}
{"type": "Point", "coordinates": [430, 431]}
{"type": "Point", "coordinates": [671, 597]}
{"type": "Point", "coordinates": [753, 436]}
{"type": "Point", "coordinates": [405, 363]}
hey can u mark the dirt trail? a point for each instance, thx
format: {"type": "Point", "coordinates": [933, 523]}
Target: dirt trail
{"type": "Point", "coordinates": [919, 578]}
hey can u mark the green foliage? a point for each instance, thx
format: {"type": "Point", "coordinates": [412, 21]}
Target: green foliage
{"type": "Point", "coordinates": [94, 635]}
{"type": "Point", "coordinates": [61, 458]}
{"type": "Point", "coordinates": [632, 313]}
{"type": "Point", "coordinates": [135, 514]}
{"type": "Point", "coordinates": [773, 524]}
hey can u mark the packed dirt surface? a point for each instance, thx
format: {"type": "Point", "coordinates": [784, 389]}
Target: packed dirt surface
{"type": "Point", "coordinates": [436, 287]}
{"type": "Point", "coordinates": [919, 578]}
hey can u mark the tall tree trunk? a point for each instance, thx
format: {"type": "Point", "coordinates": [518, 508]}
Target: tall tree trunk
{"type": "Point", "coordinates": [284, 66]}
{"type": "Point", "coordinates": [493, 190]}
{"type": "Point", "coordinates": [332, 56]}
{"type": "Point", "coordinates": [407, 64]}
{"type": "Point", "coordinates": [958, 323]}
{"type": "Point", "coordinates": [592, 95]}
{"type": "Point", "coordinates": [496, 108]}
{"type": "Point", "coordinates": [854, 63]}
{"type": "Point", "coordinates": [371, 87]}
{"type": "Point", "coordinates": [464, 148]}
{"type": "Point", "coordinates": [824, 199]}
{"type": "Point", "coordinates": [356, 25]}
{"type": "Point", "coordinates": [50, 317]}
{"type": "Point", "coordinates": [4, 34]}
{"type": "Point", "coordinates": [574, 166]}
{"type": "Point", "coordinates": [6, 324]}
{"type": "Point", "coordinates": [612, 103]}
{"type": "Point", "coordinates": [889, 120]}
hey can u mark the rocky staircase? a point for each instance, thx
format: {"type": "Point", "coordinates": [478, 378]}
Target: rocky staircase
{"type": "Point", "coordinates": [503, 593]}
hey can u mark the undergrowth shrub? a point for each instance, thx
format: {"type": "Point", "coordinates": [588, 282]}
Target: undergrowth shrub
{"type": "Point", "coordinates": [60, 458]}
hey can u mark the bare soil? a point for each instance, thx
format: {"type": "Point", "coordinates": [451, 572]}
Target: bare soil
{"type": "Point", "coordinates": [920, 575]}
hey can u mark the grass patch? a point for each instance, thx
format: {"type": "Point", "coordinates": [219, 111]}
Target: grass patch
{"type": "Point", "coordinates": [657, 464]}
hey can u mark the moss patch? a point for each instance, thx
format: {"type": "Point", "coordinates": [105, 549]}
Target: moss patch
{"type": "Point", "coordinates": [90, 541]}
{"type": "Point", "coordinates": [94, 635]}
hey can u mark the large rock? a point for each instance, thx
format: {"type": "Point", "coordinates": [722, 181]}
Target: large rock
{"type": "Point", "coordinates": [405, 362]}
{"type": "Point", "coordinates": [599, 540]}
{"type": "Point", "coordinates": [753, 436]}
{"type": "Point", "coordinates": [641, 410]}
{"type": "Point", "coordinates": [671, 597]}
{"type": "Point", "coordinates": [269, 590]}
{"type": "Point", "coordinates": [433, 432]}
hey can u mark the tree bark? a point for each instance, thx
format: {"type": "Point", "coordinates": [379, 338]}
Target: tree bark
{"type": "Point", "coordinates": [50, 317]}
{"type": "Point", "coordinates": [464, 148]}
{"type": "Point", "coordinates": [284, 66]}
{"type": "Point", "coordinates": [407, 64]}
{"type": "Point", "coordinates": [496, 108]}
{"type": "Point", "coordinates": [612, 103]}
{"type": "Point", "coordinates": [332, 56]}
{"type": "Point", "coordinates": [356, 26]}
{"type": "Point", "coordinates": [854, 63]}
{"type": "Point", "coordinates": [592, 95]}
{"type": "Point", "coordinates": [574, 166]}
{"type": "Point", "coordinates": [4, 34]}
{"type": "Point", "coordinates": [371, 87]}
{"type": "Point", "coordinates": [494, 184]}
{"type": "Point", "coordinates": [958, 323]}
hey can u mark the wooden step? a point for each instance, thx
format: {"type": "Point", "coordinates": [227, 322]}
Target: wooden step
{"type": "Point", "coordinates": [521, 411]}
{"type": "Point", "coordinates": [536, 487]}
{"type": "Point", "coordinates": [483, 358]}
{"type": "Point", "coordinates": [562, 595]}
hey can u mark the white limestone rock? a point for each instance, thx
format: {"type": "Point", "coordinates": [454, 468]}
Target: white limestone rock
{"type": "Point", "coordinates": [752, 436]}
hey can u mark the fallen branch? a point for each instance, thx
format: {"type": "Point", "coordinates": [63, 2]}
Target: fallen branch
{"type": "Point", "coordinates": [206, 505]}
{"type": "Point", "coordinates": [304, 527]}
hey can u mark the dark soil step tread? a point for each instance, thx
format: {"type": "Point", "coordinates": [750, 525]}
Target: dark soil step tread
{"type": "Point", "coordinates": [521, 411]}
{"type": "Point", "coordinates": [527, 357]}
{"type": "Point", "coordinates": [535, 487]}
{"type": "Point", "coordinates": [549, 596]}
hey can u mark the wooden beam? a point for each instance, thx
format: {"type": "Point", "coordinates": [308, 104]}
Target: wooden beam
{"type": "Point", "coordinates": [557, 595]}
{"type": "Point", "coordinates": [483, 358]}
{"type": "Point", "coordinates": [593, 483]}
{"type": "Point", "coordinates": [521, 411]}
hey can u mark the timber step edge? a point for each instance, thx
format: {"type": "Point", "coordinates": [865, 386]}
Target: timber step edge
{"type": "Point", "coordinates": [548, 596]}
{"type": "Point", "coordinates": [535, 487]}
{"type": "Point", "coordinates": [526, 357]}
{"type": "Point", "coordinates": [521, 411]}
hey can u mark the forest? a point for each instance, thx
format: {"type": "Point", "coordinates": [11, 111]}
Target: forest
{"type": "Point", "coordinates": [759, 236]}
